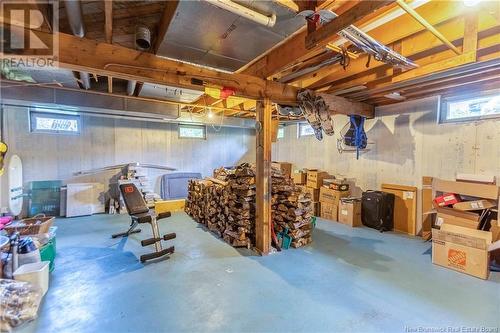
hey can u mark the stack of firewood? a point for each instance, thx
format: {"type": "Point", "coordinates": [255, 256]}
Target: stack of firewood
{"type": "Point", "coordinates": [291, 209]}
{"type": "Point", "coordinates": [239, 202]}
{"type": "Point", "coordinates": [195, 203]}
{"type": "Point", "coordinates": [226, 205]}
{"type": "Point", "coordinates": [215, 208]}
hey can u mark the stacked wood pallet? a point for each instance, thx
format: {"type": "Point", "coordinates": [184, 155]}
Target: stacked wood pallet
{"type": "Point", "coordinates": [239, 201]}
{"type": "Point", "coordinates": [291, 209]}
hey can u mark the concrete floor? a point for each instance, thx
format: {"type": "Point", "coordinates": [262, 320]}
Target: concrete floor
{"type": "Point", "coordinates": [346, 280]}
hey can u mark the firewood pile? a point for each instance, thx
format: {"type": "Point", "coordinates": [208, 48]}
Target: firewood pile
{"type": "Point", "coordinates": [239, 201]}
{"type": "Point", "coordinates": [196, 200]}
{"type": "Point", "coordinates": [215, 207]}
{"type": "Point", "coordinates": [291, 209]}
{"type": "Point", "coordinates": [225, 203]}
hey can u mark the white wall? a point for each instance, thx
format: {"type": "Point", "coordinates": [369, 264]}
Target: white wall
{"type": "Point", "coordinates": [105, 142]}
{"type": "Point", "coordinates": [408, 144]}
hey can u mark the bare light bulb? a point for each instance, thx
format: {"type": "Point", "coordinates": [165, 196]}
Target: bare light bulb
{"type": "Point", "coordinates": [210, 114]}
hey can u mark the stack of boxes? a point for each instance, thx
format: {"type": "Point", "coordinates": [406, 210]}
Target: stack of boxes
{"type": "Point", "coordinates": [329, 196]}
{"type": "Point", "coordinates": [466, 232]}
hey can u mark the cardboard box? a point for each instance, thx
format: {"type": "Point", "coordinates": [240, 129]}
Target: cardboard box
{"type": "Point", "coordinates": [327, 195]}
{"type": "Point", "coordinates": [328, 211]}
{"type": "Point", "coordinates": [462, 249]}
{"type": "Point", "coordinates": [299, 178]}
{"type": "Point", "coordinates": [446, 200]}
{"type": "Point", "coordinates": [474, 205]}
{"type": "Point", "coordinates": [350, 212]}
{"type": "Point", "coordinates": [316, 209]}
{"type": "Point", "coordinates": [285, 167]}
{"type": "Point", "coordinates": [455, 217]}
{"type": "Point", "coordinates": [314, 193]}
{"type": "Point", "coordinates": [315, 178]}
{"type": "Point", "coordinates": [466, 188]}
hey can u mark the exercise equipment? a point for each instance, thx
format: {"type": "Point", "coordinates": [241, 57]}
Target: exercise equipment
{"type": "Point", "coordinates": [140, 213]}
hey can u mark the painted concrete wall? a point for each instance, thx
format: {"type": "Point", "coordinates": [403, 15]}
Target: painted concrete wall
{"type": "Point", "coordinates": [408, 144]}
{"type": "Point", "coordinates": [105, 142]}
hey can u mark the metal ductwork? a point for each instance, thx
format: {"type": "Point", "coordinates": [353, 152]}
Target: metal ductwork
{"type": "Point", "coordinates": [131, 87]}
{"type": "Point", "coordinates": [75, 20]}
{"type": "Point", "coordinates": [142, 37]}
{"type": "Point", "coordinates": [250, 14]}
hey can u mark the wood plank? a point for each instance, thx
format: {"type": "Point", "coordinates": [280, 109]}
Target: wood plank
{"type": "Point", "coordinates": [263, 177]}
{"type": "Point", "coordinates": [166, 19]}
{"type": "Point", "coordinates": [112, 60]}
{"type": "Point", "coordinates": [108, 21]}
{"type": "Point", "coordinates": [110, 84]}
{"type": "Point", "coordinates": [472, 189]}
{"type": "Point", "coordinates": [327, 32]}
{"type": "Point", "coordinates": [470, 32]}
{"type": "Point", "coordinates": [340, 105]}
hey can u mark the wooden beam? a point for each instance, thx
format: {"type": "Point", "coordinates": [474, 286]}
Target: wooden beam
{"type": "Point", "coordinates": [471, 29]}
{"type": "Point", "coordinates": [340, 105]}
{"type": "Point", "coordinates": [166, 19]}
{"type": "Point", "coordinates": [415, 39]}
{"type": "Point", "coordinates": [427, 25]}
{"type": "Point", "coordinates": [263, 177]}
{"type": "Point", "coordinates": [110, 84]}
{"type": "Point", "coordinates": [113, 60]}
{"type": "Point", "coordinates": [290, 51]}
{"type": "Point", "coordinates": [108, 21]}
{"type": "Point", "coordinates": [325, 34]}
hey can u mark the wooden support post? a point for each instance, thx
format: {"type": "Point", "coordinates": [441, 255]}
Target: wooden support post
{"type": "Point", "coordinates": [263, 177]}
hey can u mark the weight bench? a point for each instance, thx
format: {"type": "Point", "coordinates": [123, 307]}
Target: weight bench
{"type": "Point", "coordinates": [140, 213]}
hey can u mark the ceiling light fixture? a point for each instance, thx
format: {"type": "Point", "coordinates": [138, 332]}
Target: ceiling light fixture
{"type": "Point", "coordinates": [471, 3]}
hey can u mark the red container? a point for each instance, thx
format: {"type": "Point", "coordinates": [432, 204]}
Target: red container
{"type": "Point", "coordinates": [446, 199]}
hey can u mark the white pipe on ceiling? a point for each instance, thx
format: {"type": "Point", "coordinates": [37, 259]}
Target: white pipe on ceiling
{"type": "Point", "coordinates": [233, 7]}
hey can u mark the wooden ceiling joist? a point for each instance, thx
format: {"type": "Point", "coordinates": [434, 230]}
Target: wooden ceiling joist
{"type": "Point", "coordinates": [166, 19]}
{"type": "Point", "coordinates": [108, 21]}
{"type": "Point", "coordinates": [323, 35]}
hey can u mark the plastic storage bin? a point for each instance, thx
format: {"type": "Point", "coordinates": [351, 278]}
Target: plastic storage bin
{"type": "Point", "coordinates": [36, 273]}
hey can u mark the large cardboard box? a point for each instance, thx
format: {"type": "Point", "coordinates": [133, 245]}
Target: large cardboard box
{"type": "Point", "coordinates": [456, 217]}
{"type": "Point", "coordinates": [328, 211]}
{"type": "Point", "coordinates": [314, 193]}
{"type": "Point", "coordinates": [350, 212]}
{"type": "Point", "coordinates": [327, 195]}
{"type": "Point", "coordinates": [462, 249]}
{"type": "Point", "coordinates": [315, 178]}
{"type": "Point", "coordinates": [285, 167]}
{"type": "Point", "coordinates": [299, 178]}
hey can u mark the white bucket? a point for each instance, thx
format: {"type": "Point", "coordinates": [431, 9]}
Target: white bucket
{"type": "Point", "coordinates": [35, 273]}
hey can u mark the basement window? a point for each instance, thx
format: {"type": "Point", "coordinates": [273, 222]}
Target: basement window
{"type": "Point", "coordinates": [281, 132]}
{"type": "Point", "coordinates": [55, 123]}
{"type": "Point", "coordinates": [192, 131]}
{"type": "Point", "coordinates": [472, 108]}
{"type": "Point", "coordinates": [304, 129]}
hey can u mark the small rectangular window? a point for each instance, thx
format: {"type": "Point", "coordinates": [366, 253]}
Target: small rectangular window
{"type": "Point", "coordinates": [466, 109]}
{"type": "Point", "coordinates": [305, 130]}
{"type": "Point", "coordinates": [193, 131]}
{"type": "Point", "coordinates": [57, 123]}
{"type": "Point", "coordinates": [281, 133]}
